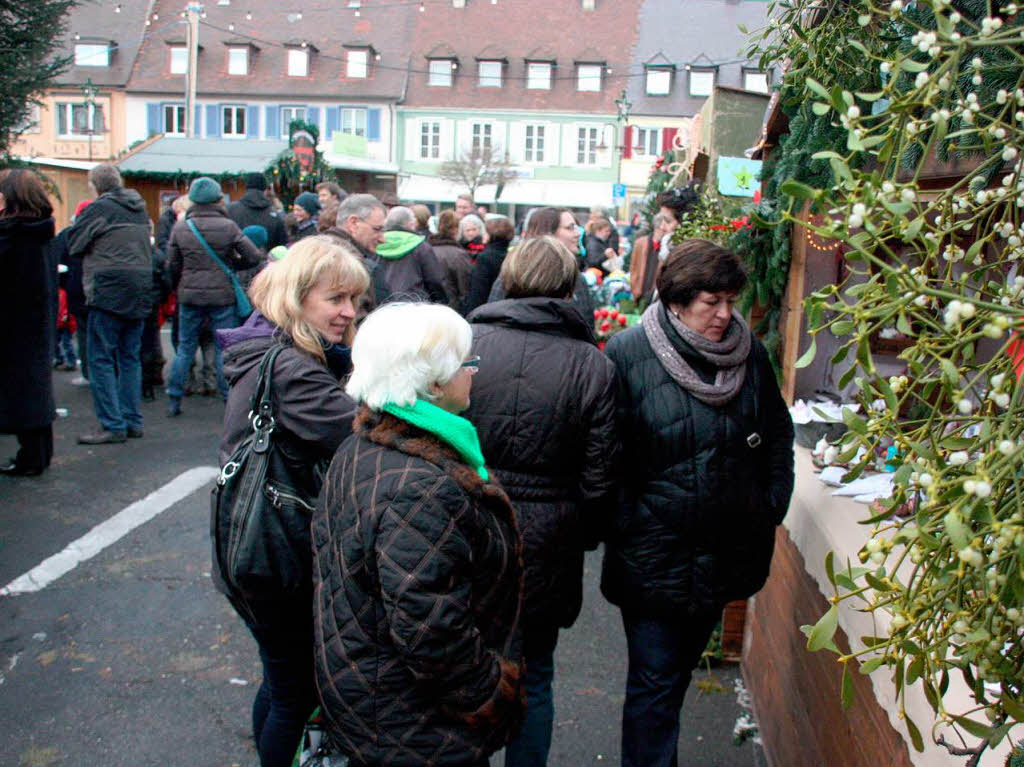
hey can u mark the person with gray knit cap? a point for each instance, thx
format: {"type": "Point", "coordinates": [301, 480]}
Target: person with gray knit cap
{"type": "Point", "coordinates": [305, 210]}
{"type": "Point", "coordinates": [707, 462]}
{"type": "Point", "coordinates": [205, 292]}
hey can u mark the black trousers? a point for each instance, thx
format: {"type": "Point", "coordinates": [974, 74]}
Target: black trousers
{"type": "Point", "coordinates": [35, 448]}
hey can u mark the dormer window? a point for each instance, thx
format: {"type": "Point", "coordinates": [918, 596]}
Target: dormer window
{"type": "Point", "coordinates": [357, 63]}
{"type": "Point", "coordinates": [440, 72]}
{"type": "Point", "coordinates": [179, 60]}
{"type": "Point", "coordinates": [489, 74]}
{"type": "Point", "coordinates": [755, 80]}
{"type": "Point", "coordinates": [702, 82]}
{"type": "Point", "coordinates": [588, 77]}
{"type": "Point", "coordinates": [298, 62]}
{"type": "Point", "coordinates": [538, 75]}
{"type": "Point", "coordinates": [92, 55]}
{"type": "Point", "coordinates": [659, 81]}
{"type": "Point", "coordinates": [238, 61]}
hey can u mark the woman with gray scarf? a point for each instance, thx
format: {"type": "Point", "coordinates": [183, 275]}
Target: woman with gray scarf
{"type": "Point", "coordinates": [707, 454]}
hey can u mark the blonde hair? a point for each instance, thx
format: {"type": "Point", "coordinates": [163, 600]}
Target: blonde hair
{"type": "Point", "coordinates": [278, 291]}
{"type": "Point", "coordinates": [540, 266]}
{"type": "Point", "coordinates": [402, 349]}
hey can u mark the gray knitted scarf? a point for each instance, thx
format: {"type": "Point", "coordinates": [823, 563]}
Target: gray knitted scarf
{"type": "Point", "coordinates": [728, 355]}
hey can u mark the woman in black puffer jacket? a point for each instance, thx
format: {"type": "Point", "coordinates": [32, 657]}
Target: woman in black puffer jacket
{"type": "Point", "coordinates": [544, 406]}
{"type": "Point", "coordinates": [707, 471]}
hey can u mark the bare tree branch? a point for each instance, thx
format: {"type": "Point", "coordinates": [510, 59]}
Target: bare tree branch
{"type": "Point", "coordinates": [478, 167]}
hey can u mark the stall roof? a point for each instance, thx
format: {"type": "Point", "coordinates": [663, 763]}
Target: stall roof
{"type": "Point", "coordinates": [207, 156]}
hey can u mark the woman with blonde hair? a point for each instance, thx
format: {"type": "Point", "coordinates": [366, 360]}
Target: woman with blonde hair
{"type": "Point", "coordinates": [304, 310]}
{"type": "Point", "coordinates": [418, 564]}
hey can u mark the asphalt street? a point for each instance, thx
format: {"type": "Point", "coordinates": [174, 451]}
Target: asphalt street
{"type": "Point", "coordinates": [132, 658]}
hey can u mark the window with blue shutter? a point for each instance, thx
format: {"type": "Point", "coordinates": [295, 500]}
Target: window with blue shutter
{"type": "Point", "coordinates": [271, 122]}
{"type": "Point", "coordinates": [154, 124]}
{"type": "Point", "coordinates": [333, 120]}
{"type": "Point", "coordinates": [213, 120]}
{"type": "Point", "coordinates": [313, 116]}
{"type": "Point", "coordinates": [373, 124]}
{"type": "Point", "coordinates": [198, 120]}
{"type": "Point", "coordinates": [252, 122]}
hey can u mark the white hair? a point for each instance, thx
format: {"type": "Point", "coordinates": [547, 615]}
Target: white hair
{"type": "Point", "coordinates": [403, 348]}
{"type": "Point", "coordinates": [471, 218]}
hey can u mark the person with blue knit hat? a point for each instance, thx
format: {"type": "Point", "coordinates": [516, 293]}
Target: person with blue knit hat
{"type": "Point", "coordinates": [305, 211]}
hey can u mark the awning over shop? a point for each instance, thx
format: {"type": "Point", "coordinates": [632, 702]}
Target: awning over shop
{"type": "Point", "coordinates": [207, 156]}
{"type": "Point", "coordinates": [349, 162]}
{"type": "Point", "coordinates": [571, 194]}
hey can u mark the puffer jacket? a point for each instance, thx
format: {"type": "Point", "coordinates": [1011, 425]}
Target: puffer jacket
{"type": "Point", "coordinates": [112, 237]}
{"type": "Point", "coordinates": [543, 403]}
{"type": "Point", "coordinates": [696, 522]}
{"type": "Point", "coordinates": [582, 298]}
{"type": "Point", "coordinates": [417, 572]}
{"type": "Point", "coordinates": [198, 279]}
{"type": "Point", "coordinates": [254, 209]}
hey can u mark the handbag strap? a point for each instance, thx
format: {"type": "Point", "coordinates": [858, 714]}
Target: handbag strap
{"type": "Point", "coordinates": [212, 254]}
{"type": "Point", "coordinates": [261, 406]}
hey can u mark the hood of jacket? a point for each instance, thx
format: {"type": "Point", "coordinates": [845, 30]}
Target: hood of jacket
{"type": "Point", "coordinates": [37, 230]}
{"type": "Point", "coordinates": [245, 345]}
{"type": "Point", "coordinates": [128, 199]}
{"type": "Point", "coordinates": [253, 198]}
{"type": "Point", "coordinates": [557, 316]}
{"type": "Point", "coordinates": [398, 243]}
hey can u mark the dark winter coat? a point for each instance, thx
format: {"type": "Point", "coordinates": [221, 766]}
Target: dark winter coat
{"type": "Point", "coordinates": [253, 209]}
{"type": "Point", "coordinates": [28, 299]}
{"type": "Point", "coordinates": [595, 247]}
{"type": "Point", "coordinates": [164, 225]}
{"type": "Point", "coordinates": [411, 270]}
{"type": "Point", "coordinates": [543, 403]}
{"type": "Point", "coordinates": [696, 522]}
{"type": "Point", "coordinates": [485, 274]}
{"type": "Point", "coordinates": [307, 228]}
{"type": "Point", "coordinates": [112, 237]}
{"type": "Point", "coordinates": [581, 298]}
{"type": "Point", "coordinates": [417, 572]}
{"type": "Point", "coordinates": [456, 267]}
{"type": "Point", "coordinates": [73, 277]}
{"type": "Point", "coordinates": [198, 279]}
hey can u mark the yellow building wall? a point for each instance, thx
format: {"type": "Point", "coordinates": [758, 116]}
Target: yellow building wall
{"type": "Point", "coordinates": [42, 140]}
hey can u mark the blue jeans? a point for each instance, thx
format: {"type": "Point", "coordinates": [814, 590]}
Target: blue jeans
{"type": "Point", "coordinates": [531, 746]}
{"type": "Point", "coordinates": [662, 655]}
{"type": "Point", "coordinates": [65, 349]}
{"type": "Point", "coordinates": [190, 322]}
{"type": "Point", "coordinates": [115, 370]}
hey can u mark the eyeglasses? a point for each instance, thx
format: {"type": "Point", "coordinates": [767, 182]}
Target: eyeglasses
{"type": "Point", "coordinates": [473, 363]}
{"type": "Point", "coordinates": [377, 229]}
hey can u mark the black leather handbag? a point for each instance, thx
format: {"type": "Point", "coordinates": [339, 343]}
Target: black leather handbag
{"type": "Point", "coordinates": [259, 521]}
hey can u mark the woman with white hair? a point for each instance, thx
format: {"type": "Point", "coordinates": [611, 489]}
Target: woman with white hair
{"type": "Point", "coordinates": [417, 559]}
{"type": "Point", "coordinates": [305, 314]}
{"type": "Point", "coordinates": [472, 235]}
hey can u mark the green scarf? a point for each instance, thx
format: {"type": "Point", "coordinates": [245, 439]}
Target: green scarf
{"type": "Point", "coordinates": [451, 428]}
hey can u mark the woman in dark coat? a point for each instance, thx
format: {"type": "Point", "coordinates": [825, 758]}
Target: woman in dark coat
{"type": "Point", "coordinates": [707, 472]}
{"type": "Point", "coordinates": [544, 406]}
{"type": "Point", "coordinates": [312, 416]}
{"type": "Point", "coordinates": [455, 263]}
{"type": "Point", "coordinates": [205, 293]}
{"type": "Point", "coordinates": [418, 565]}
{"type": "Point", "coordinates": [488, 265]}
{"type": "Point", "coordinates": [28, 312]}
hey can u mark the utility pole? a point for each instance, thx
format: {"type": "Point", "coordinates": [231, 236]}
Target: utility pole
{"type": "Point", "coordinates": [192, 11]}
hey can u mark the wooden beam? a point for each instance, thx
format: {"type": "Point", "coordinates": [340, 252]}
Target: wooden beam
{"type": "Point", "coordinates": [791, 323]}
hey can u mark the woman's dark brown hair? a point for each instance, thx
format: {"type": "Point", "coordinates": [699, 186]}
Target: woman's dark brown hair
{"type": "Point", "coordinates": [24, 195]}
{"type": "Point", "coordinates": [543, 221]}
{"type": "Point", "coordinates": [500, 228]}
{"type": "Point", "coordinates": [680, 200]}
{"type": "Point", "coordinates": [696, 265]}
{"type": "Point", "coordinates": [448, 225]}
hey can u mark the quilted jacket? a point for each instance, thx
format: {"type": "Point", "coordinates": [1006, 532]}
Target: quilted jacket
{"type": "Point", "coordinates": [544, 407]}
{"type": "Point", "coordinates": [417, 578]}
{"type": "Point", "coordinates": [696, 522]}
{"type": "Point", "coordinates": [197, 277]}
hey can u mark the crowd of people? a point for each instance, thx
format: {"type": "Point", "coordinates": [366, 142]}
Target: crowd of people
{"type": "Point", "coordinates": [452, 433]}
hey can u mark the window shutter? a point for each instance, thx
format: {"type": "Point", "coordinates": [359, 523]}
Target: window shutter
{"type": "Point", "coordinates": [272, 121]}
{"type": "Point", "coordinates": [252, 122]}
{"type": "Point", "coordinates": [551, 143]}
{"type": "Point", "coordinates": [516, 139]}
{"type": "Point", "coordinates": [313, 116]}
{"type": "Point", "coordinates": [447, 140]}
{"type": "Point", "coordinates": [412, 139]}
{"type": "Point", "coordinates": [153, 122]}
{"type": "Point", "coordinates": [333, 121]}
{"type": "Point", "coordinates": [198, 112]}
{"type": "Point", "coordinates": [667, 135]}
{"type": "Point", "coordinates": [213, 120]}
{"type": "Point", "coordinates": [570, 144]}
{"type": "Point", "coordinates": [373, 124]}
{"type": "Point", "coordinates": [627, 142]}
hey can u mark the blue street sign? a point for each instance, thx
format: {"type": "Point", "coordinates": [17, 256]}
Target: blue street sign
{"type": "Point", "coordinates": [618, 191]}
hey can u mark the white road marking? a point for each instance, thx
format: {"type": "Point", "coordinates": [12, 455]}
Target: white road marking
{"type": "Point", "coordinates": [109, 531]}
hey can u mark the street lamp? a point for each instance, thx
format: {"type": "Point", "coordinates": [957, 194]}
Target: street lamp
{"type": "Point", "coordinates": [90, 107]}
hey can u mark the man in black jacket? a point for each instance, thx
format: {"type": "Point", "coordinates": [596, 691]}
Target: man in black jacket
{"type": "Point", "coordinates": [112, 238]}
{"type": "Point", "coordinates": [254, 209]}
